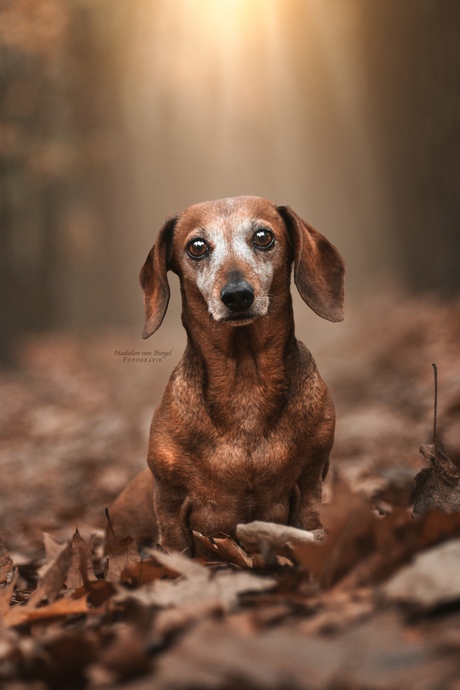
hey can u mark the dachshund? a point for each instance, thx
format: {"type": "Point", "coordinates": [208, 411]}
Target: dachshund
{"type": "Point", "coordinates": [246, 424]}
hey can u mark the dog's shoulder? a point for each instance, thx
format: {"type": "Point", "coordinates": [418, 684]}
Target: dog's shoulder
{"type": "Point", "coordinates": [308, 390]}
{"type": "Point", "coordinates": [302, 363]}
{"type": "Point", "coordinates": [182, 405]}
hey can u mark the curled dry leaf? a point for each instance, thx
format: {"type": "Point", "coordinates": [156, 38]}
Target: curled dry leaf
{"type": "Point", "coordinates": [233, 553]}
{"type": "Point", "coordinates": [226, 549]}
{"type": "Point", "coordinates": [271, 539]}
{"type": "Point", "coordinates": [437, 487]}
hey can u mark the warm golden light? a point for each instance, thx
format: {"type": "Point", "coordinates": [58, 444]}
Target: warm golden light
{"type": "Point", "coordinates": [220, 66]}
{"type": "Point", "coordinates": [228, 97]}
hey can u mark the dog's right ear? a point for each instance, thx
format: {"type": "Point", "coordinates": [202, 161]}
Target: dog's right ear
{"type": "Point", "coordinates": [154, 280]}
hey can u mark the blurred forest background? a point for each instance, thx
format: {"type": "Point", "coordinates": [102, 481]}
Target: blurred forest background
{"type": "Point", "coordinates": [114, 114]}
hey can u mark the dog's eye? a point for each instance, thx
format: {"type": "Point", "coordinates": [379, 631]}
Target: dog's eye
{"type": "Point", "coordinates": [263, 239]}
{"type": "Point", "coordinates": [198, 249]}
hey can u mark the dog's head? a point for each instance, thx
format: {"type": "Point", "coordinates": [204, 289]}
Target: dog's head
{"type": "Point", "coordinates": [232, 254]}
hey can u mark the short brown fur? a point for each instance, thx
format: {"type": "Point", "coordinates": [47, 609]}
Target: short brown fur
{"type": "Point", "coordinates": [246, 424]}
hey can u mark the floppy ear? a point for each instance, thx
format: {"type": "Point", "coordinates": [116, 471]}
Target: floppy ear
{"type": "Point", "coordinates": [318, 267]}
{"type": "Point", "coordinates": [154, 281]}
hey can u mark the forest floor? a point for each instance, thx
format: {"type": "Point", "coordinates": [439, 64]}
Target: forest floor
{"type": "Point", "coordinates": [375, 604]}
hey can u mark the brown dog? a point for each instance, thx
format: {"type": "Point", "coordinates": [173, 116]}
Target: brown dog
{"type": "Point", "coordinates": [246, 423]}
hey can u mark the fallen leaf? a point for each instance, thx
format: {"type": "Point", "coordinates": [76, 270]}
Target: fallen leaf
{"type": "Point", "coordinates": [232, 552]}
{"type": "Point", "coordinates": [198, 586]}
{"type": "Point", "coordinates": [169, 621]}
{"type": "Point", "coordinates": [225, 548]}
{"type": "Point", "coordinates": [271, 539]}
{"type": "Point", "coordinates": [120, 557]}
{"type": "Point", "coordinates": [20, 615]}
{"type": "Point", "coordinates": [430, 580]}
{"type": "Point", "coordinates": [53, 573]}
{"type": "Point", "coordinates": [80, 561]}
{"type": "Point", "coordinates": [144, 572]}
{"type": "Point", "coordinates": [6, 565]}
{"type": "Point", "coordinates": [437, 526]}
{"type": "Point", "coordinates": [98, 591]}
{"type": "Point", "coordinates": [126, 655]}
{"type": "Point", "coordinates": [215, 655]}
{"type": "Point", "coordinates": [382, 653]}
{"type": "Point", "coordinates": [437, 487]}
{"type": "Point", "coordinates": [62, 655]}
{"type": "Point", "coordinates": [375, 654]}
{"type": "Point", "coordinates": [349, 524]}
{"type": "Point", "coordinates": [179, 564]}
{"type": "Point", "coordinates": [6, 594]}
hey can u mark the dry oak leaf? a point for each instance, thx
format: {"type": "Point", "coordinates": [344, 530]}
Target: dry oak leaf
{"type": "Point", "coordinates": [121, 556]}
{"type": "Point", "coordinates": [81, 563]}
{"type": "Point", "coordinates": [53, 573]}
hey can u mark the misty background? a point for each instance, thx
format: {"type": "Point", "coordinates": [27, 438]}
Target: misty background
{"type": "Point", "coordinates": [115, 114]}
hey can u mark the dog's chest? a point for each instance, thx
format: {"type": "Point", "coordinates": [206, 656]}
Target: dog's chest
{"type": "Point", "coordinates": [245, 449]}
{"type": "Point", "coordinates": [240, 482]}
{"type": "Point", "coordinates": [242, 426]}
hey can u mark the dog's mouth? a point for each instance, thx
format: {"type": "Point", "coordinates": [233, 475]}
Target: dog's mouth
{"type": "Point", "coordinates": [241, 319]}
{"type": "Point", "coordinates": [237, 317]}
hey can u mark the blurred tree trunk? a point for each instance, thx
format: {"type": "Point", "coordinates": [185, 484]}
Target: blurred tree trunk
{"type": "Point", "coordinates": [31, 185]}
{"type": "Point", "coordinates": [60, 140]}
{"type": "Point", "coordinates": [411, 59]}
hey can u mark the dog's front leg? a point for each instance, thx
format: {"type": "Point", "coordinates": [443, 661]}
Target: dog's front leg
{"type": "Point", "coordinates": [306, 496]}
{"type": "Point", "coordinates": [172, 509]}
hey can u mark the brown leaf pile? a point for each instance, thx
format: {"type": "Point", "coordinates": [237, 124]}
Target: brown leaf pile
{"type": "Point", "coordinates": [351, 609]}
{"type": "Point", "coordinates": [371, 602]}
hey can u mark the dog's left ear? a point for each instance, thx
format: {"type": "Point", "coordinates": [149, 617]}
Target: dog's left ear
{"type": "Point", "coordinates": [154, 281]}
{"type": "Point", "coordinates": [318, 267]}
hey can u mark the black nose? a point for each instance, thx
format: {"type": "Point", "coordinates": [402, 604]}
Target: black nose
{"type": "Point", "coordinates": [237, 296]}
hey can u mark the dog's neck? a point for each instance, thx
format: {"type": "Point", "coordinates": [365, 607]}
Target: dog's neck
{"type": "Point", "coordinates": [246, 369]}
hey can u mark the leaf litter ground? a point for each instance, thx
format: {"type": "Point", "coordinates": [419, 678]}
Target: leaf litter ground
{"type": "Point", "coordinates": [371, 602]}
